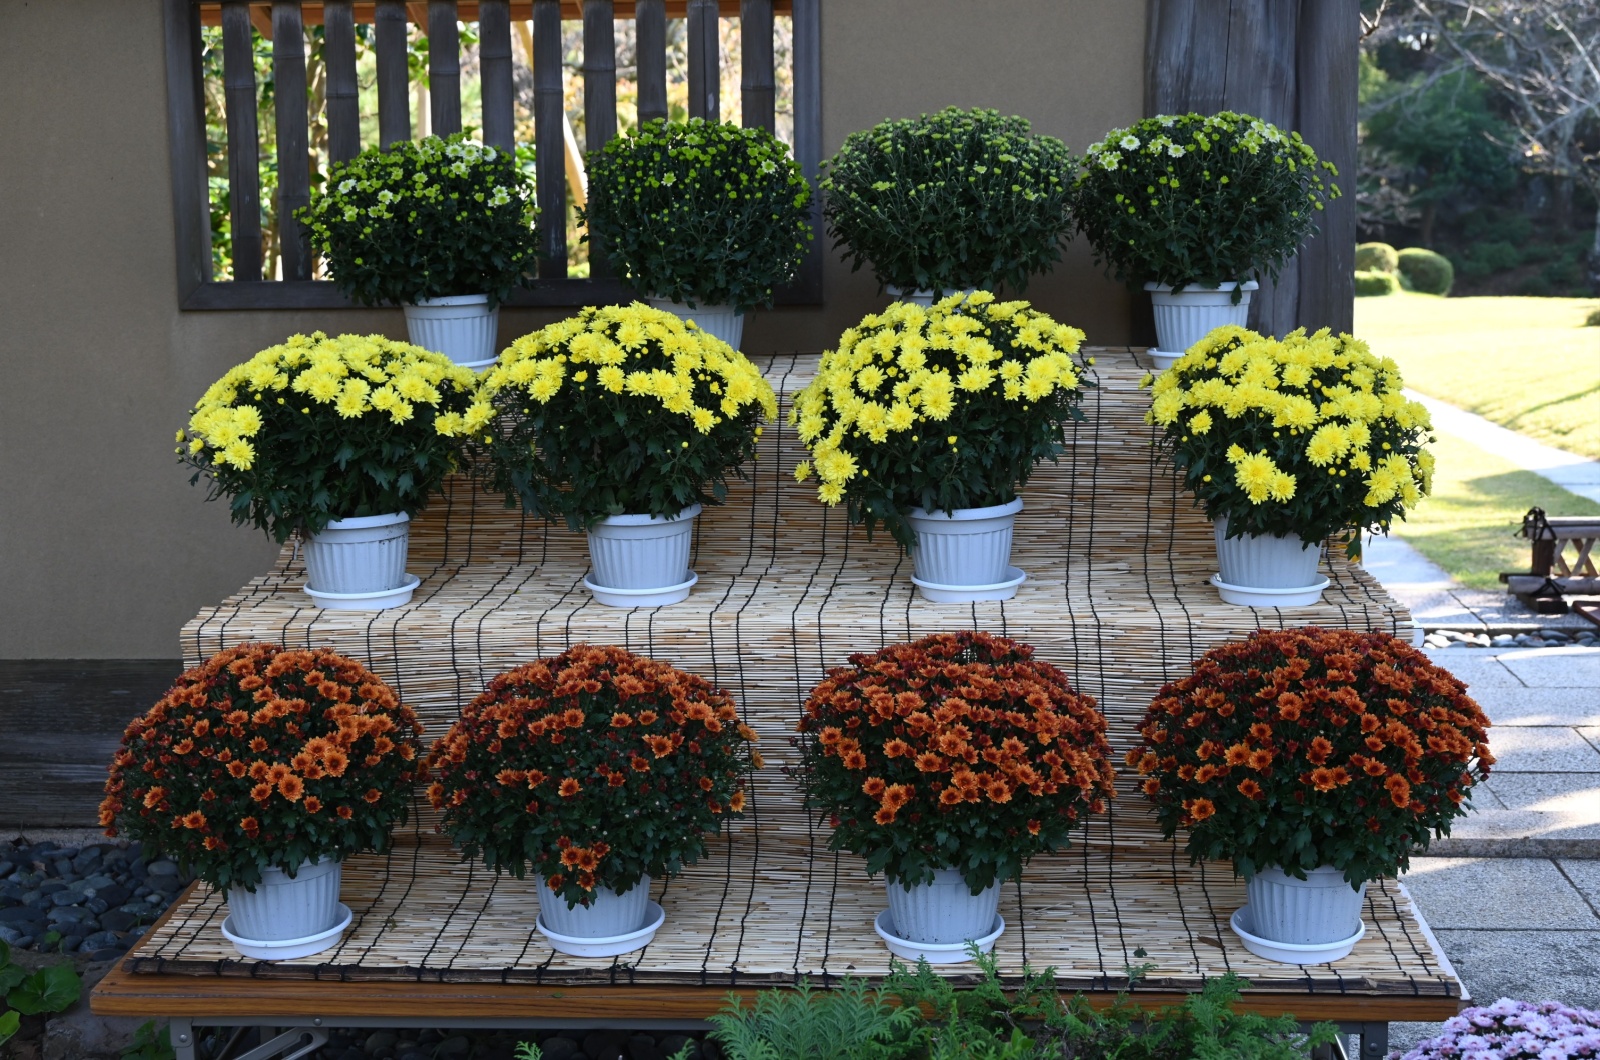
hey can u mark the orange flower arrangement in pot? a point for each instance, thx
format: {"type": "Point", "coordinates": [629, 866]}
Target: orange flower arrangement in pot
{"type": "Point", "coordinates": [598, 769]}
{"type": "Point", "coordinates": [262, 770]}
{"type": "Point", "coordinates": [947, 763]}
{"type": "Point", "coordinates": [1315, 760]}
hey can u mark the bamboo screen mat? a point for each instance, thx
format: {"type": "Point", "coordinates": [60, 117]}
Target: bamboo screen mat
{"type": "Point", "coordinates": [1117, 560]}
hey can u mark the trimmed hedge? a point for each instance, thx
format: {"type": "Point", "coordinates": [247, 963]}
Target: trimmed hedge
{"type": "Point", "coordinates": [1374, 282]}
{"type": "Point", "coordinates": [1376, 257]}
{"type": "Point", "coordinates": [1427, 271]}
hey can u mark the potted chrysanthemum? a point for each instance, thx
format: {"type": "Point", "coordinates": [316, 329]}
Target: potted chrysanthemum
{"type": "Point", "coordinates": [948, 763]}
{"type": "Point", "coordinates": [1198, 209]}
{"type": "Point", "coordinates": [442, 227]}
{"type": "Point", "coordinates": [1314, 760]}
{"type": "Point", "coordinates": [1285, 442]}
{"type": "Point", "coordinates": [262, 770]}
{"type": "Point", "coordinates": [954, 201]}
{"type": "Point", "coordinates": [705, 219]}
{"type": "Point", "coordinates": [599, 770]}
{"type": "Point", "coordinates": [929, 419]}
{"type": "Point", "coordinates": [624, 421]}
{"type": "Point", "coordinates": [334, 439]}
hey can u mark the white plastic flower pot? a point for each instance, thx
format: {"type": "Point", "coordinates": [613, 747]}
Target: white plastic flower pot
{"type": "Point", "coordinates": [461, 326]}
{"type": "Point", "coordinates": [967, 549]}
{"type": "Point", "coordinates": [639, 557]}
{"type": "Point", "coordinates": [608, 914]}
{"type": "Point", "coordinates": [719, 321]}
{"type": "Point", "coordinates": [1316, 911]}
{"type": "Point", "coordinates": [282, 909]}
{"type": "Point", "coordinates": [944, 912]}
{"type": "Point", "coordinates": [1267, 571]}
{"type": "Point", "coordinates": [364, 554]}
{"type": "Point", "coordinates": [1185, 317]}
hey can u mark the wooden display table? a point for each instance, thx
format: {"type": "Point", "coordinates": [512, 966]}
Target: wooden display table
{"type": "Point", "coordinates": [1117, 560]}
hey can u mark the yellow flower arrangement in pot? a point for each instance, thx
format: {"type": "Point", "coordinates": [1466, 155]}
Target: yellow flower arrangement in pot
{"type": "Point", "coordinates": [1285, 442]}
{"type": "Point", "coordinates": [624, 421]}
{"type": "Point", "coordinates": [928, 419]}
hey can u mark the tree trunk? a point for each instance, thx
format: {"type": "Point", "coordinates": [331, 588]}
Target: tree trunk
{"type": "Point", "coordinates": [1430, 210]}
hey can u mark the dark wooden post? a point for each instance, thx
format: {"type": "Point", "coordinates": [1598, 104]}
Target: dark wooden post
{"type": "Point", "coordinates": [599, 99]}
{"type": "Point", "coordinates": [294, 138]}
{"type": "Point", "coordinates": [705, 61]}
{"type": "Point", "coordinates": [339, 51]}
{"type": "Point", "coordinates": [444, 68]}
{"type": "Point", "coordinates": [807, 15]}
{"type": "Point", "coordinates": [394, 90]}
{"type": "Point", "coordinates": [650, 37]}
{"type": "Point", "coordinates": [758, 90]}
{"type": "Point", "coordinates": [550, 166]}
{"type": "Point", "coordinates": [244, 145]}
{"type": "Point", "coordinates": [1329, 59]}
{"type": "Point", "coordinates": [494, 60]}
{"type": "Point", "coordinates": [186, 117]}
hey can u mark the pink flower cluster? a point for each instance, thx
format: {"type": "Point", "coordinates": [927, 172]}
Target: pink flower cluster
{"type": "Point", "coordinates": [1515, 1030]}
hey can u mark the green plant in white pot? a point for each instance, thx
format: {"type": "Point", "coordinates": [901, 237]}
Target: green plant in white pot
{"type": "Point", "coordinates": [1197, 209]}
{"type": "Point", "coordinates": [955, 201]}
{"type": "Point", "coordinates": [705, 219]}
{"type": "Point", "coordinates": [442, 227]}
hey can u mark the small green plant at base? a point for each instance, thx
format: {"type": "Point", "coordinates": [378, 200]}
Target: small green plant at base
{"type": "Point", "coordinates": [853, 1021]}
{"type": "Point", "coordinates": [1374, 283]}
{"type": "Point", "coordinates": [46, 990]}
{"type": "Point", "coordinates": [150, 1043]}
{"type": "Point", "coordinates": [530, 1051]}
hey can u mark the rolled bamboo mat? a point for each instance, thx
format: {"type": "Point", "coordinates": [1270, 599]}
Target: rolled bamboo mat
{"type": "Point", "coordinates": [1117, 559]}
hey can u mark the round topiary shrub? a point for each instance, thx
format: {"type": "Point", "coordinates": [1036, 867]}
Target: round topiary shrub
{"type": "Point", "coordinates": [1427, 271]}
{"type": "Point", "coordinates": [1373, 282]}
{"type": "Point", "coordinates": [1376, 257]}
{"type": "Point", "coordinates": [1593, 319]}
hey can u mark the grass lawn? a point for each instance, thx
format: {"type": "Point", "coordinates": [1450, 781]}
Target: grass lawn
{"type": "Point", "coordinates": [1477, 505]}
{"type": "Point", "coordinates": [1526, 363]}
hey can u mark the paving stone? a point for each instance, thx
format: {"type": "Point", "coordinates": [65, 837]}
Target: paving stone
{"type": "Point", "coordinates": [1566, 667]}
{"type": "Point", "coordinates": [1507, 893]}
{"type": "Point", "coordinates": [1477, 669]}
{"type": "Point", "coordinates": [1556, 965]}
{"type": "Point", "coordinates": [1542, 749]}
{"type": "Point", "coordinates": [1539, 706]}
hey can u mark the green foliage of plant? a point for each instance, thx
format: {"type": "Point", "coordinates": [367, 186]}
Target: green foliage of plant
{"type": "Point", "coordinates": [1370, 284]}
{"type": "Point", "coordinates": [953, 200]}
{"type": "Point", "coordinates": [1429, 272]}
{"type": "Point", "coordinates": [150, 1043]}
{"type": "Point", "coordinates": [1443, 131]}
{"type": "Point", "coordinates": [54, 988]}
{"type": "Point", "coordinates": [620, 410]}
{"type": "Point", "coordinates": [1376, 257]}
{"type": "Point", "coordinates": [1189, 199]}
{"type": "Point", "coordinates": [703, 213]}
{"type": "Point", "coordinates": [852, 1020]}
{"type": "Point", "coordinates": [318, 429]}
{"type": "Point", "coordinates": [1593, 319]}
{"type": "Point", "coordinates": [425, 219]}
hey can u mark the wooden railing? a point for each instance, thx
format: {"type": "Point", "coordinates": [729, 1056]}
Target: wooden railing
{"type": "Point", "coordinates": [285, 22]}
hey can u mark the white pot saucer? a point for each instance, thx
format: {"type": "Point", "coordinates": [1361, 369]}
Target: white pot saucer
{"type": "Point", "coordinates": [611, 945]}
{"type": "Point", "coordinates": [962, 594]}
{"type": "Point", "coordinates": [934, 952]}
{"type": "Point", "coordinates": [668, 594]}
{"type": "Point", "coordinates": [1162, 359]}
{"type": "Point", "coordinates": [1246, 596]}
{"type": "Point", "coordinates": [378, 601]}
{"type": "Point", "coordinates": [289, 949]}
{"type": "Point", "coordinates": [477, 366]}
{"type": "Point", "coordinates": [1287, 952]}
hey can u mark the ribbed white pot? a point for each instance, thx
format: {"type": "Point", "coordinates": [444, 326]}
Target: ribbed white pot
{"type": "Point", "coordinates": [283, 908]}
{"type": "Point", "coordinates": [1266, 562]}
{"type": "Point", "coordinates": [1185, 317]}
{"type": "Point", "coordinates": [969, 546]}
{"type": "Point", "coordinates": [1319, 909]}
{"type": "Point", "coordinates": [364, 554]}
{"type": "Point", "coordinates": [944, 911]}
{"type": "Point", "coordinates": [720, 321]}
{"type": "Point", "coordinates": [642, 551]}
{"type": "Point", "coordinates": [461, 326]}
{"type": "Point", "coordinates": [607, 915]}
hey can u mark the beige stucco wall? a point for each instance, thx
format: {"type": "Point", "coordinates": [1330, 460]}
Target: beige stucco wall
{"type": "Point", "coordinates": [105, 548]}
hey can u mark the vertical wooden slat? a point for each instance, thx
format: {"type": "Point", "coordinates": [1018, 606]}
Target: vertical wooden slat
{"type": "Point", "coordinates": [705, 61]}
{"type": "Point", "coordinates": [758, 87]}
{"type": "Point", "coordinates": [1186, 56]}
{"type": "Point", "coordinates": [807, 15]}
{"type": "Point", "coordinates": [244, 174]}
{"type": "Point", "coordinates": [550, 145]}
{"type": "Point", "coordinates": [294, 142]}
{"type": "Point", "coordinates": [1327, 71]}
{"type": "Point", "coordinates": [599, 99]}
{"type": "Point", "coordinates": [186, 134]}
{"type": "Point", "coordinates": [444, 68]}
{"type": "Point", "coordinates": [650, 38]}
{"type": "Point", "coordinates": [494, 63]}
{"type": "Point", "coordinates": [344, 104]}
{"type": "Point", "coordinates": [394, 91]}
